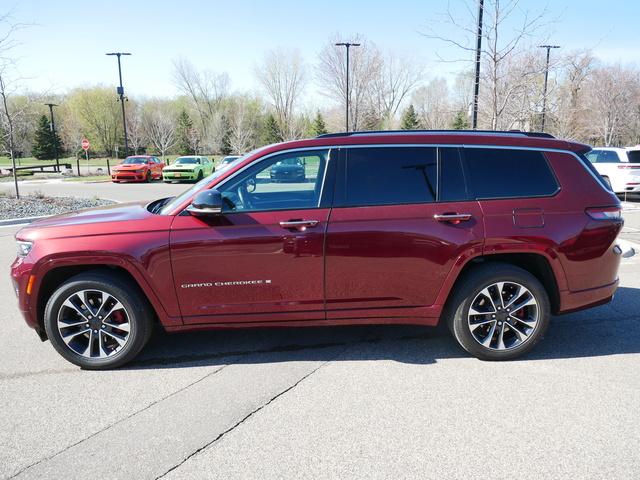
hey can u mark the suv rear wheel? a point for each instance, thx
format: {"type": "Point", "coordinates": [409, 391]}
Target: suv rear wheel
{"type": "Point", "coordinates": [498, 311]}
{"type": "Point", "coordinates": [98, 320]}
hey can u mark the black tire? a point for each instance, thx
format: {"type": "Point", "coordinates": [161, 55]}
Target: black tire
{"type": "Point", "coordinates": [147, 177]}
{"type": "Point", "coordinates": [481, 314]}
{"type": "Point", "coordinates": [200, 176]}
{"type": "Point", "coordinates": [83, 336]}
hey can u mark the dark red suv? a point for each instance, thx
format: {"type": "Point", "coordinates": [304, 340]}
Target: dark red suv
{"type": "Point", "coordinates": [489, 232]}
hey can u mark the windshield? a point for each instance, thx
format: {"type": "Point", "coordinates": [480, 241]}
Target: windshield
{"type": "Point", "coordinates": [184, 160]}
{"type": "Point", "coordinates": [198, 186]}
{"type": "Point", "coordinates": [135, 160]}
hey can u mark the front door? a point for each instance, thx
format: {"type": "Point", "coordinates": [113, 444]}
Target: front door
{"type": "Point", "coordinates": [262, 259]}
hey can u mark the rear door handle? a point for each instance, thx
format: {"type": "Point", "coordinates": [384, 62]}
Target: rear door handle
{"type": "Point", "coordinates": [454, 218]}
{"type": "Point", "coordinates": [301, 225]}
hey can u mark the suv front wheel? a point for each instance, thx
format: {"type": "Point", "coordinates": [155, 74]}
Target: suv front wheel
{"type": "Point", "coordinates": [498, 311]}
{"type": "Point", "coordinates": [98, 320]}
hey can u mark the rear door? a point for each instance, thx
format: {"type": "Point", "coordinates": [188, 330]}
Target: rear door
{"type": "Point", "coordinates": [400, 223]}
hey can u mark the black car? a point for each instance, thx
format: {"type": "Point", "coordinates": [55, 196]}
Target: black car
{"type": "Point", "coordinates": [289, 170]}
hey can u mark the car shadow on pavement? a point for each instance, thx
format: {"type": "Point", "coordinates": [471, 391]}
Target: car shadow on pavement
{"type": "Point", "coordinates": [611, 329]}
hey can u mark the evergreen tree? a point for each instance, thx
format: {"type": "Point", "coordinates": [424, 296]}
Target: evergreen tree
{"type": "Point", "coordinates": [225, 147]}
{"type": "Point", "coordinates": [43, 146]}
{"type": "Point", "coordinates": [460, 123]}
{"type": "Point", "coordinates": [410, 119]}
{"type": "Point", "coordinates": [271, 132]}
{"type": "Point", "coordinates": [185, 134]}
{"type": "Point", "coordinates": [318, 127]}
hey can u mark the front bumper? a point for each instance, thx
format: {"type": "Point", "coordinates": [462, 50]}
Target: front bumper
{"type": "Point", "coordinates": [179, 176]}
{"type": "Point", "coordinates": [128, 177]}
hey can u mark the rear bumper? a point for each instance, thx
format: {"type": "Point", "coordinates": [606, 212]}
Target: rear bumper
{"type": "Point", "coordinates": [575, 301]}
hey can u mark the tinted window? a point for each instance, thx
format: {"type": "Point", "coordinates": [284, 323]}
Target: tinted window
{"type": "Point", "coordinates": [510, 173]}
{"type": "Point", "coordinates": [452, 183]}
{"type": "Point", "coordinates": [634, 156]}
{"type": "Point", "coordinates": [391, 175]}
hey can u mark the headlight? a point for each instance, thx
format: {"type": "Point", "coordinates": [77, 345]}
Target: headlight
{"type": "Point", "coordinates": [24, 248]}
{"type": "Point", "coordinates": [139, 171]}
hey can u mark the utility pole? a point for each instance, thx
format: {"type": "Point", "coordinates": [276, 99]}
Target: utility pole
{"type": "Point", "coordinates": [122, 99]}
{"type": "Point", "coordinates": [476, 86]}
{"type": "Point", "coordinates": [546, 79]}
{"type": "Point", "coordinates": [53, 134]}
{"type": "Point", "coordinates": [347, 93]}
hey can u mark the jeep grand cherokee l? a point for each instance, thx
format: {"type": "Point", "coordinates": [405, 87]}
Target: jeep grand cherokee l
{"type": "Point", "coordinates": [489, 232]}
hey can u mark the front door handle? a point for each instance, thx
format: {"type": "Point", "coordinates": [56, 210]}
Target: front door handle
{"type": "Point", "coordinates": [301, 225]}
{"type": "Point", "coordinates": [453, 218]}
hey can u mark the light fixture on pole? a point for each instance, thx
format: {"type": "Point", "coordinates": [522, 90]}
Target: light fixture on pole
{"type": "Point", "coordinates": [122, 99]}
{"type": "Point", "coordinates": [546, 79]}
{"type": "Point", "coordinates": [53, 134]}
{"type": "Point", "coordinates": [347, 92]}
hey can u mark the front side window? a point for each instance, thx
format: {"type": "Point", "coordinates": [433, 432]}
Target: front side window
{"type": "Point", "coordinates": [391, 175]}
{"type": "Point", "coordinates": [510, 173]}
{"type": "Point", "coordinates": [288, 181]}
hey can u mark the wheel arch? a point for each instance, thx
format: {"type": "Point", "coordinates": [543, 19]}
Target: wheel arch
{"type": "Point", "coordinates": [536, 264]}
{"type": "Point", "coordinates": [56, 276]}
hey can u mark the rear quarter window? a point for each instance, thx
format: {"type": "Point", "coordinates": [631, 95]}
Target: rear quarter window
{"type": "Point", "coordinates": [510, 173]}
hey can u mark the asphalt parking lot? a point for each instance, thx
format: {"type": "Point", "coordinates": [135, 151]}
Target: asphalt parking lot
{"type": "Point", "coordinates": [338, 402]}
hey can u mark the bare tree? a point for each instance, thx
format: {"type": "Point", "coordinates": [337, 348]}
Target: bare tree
{"type": "Point", "coordinates": [159, 118]}
{"type": "Point", "coordinates": [71, 131]}
{"type": "Point", "coordinates": [400, 74]}
{"type": "Point", "coordinates": [566, 101]}
{"type": "Point", "coordinates": [612, 100]}
{"type": "Point", "coordinates": [433, 106]}
{"type": "Point", "coordinates": [9, 79]}
{"type": "Point", "coordinates": [504, 79]}
{"type": "Point", "coordinates": [244, 116]}
{"type": "Point", "coordinates": [135, 130]}
{"type": "Point", "coordinates": [283, 76]}
{"type": "Point", "coordinates": [206, 92]}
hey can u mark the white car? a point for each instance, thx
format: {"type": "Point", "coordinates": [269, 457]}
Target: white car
{"type": "Point", "coordinates": [620, 167]}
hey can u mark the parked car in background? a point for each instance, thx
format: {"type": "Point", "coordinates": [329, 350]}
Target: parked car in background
{"type": "Point", "coordinates": [288, 170]}
{"type": "Point", "coordinates": [489, 233]}
{"type": "Point", "coordinates": [138, 168]}
{"type": "Point", "coordinates": [227, 160]}
{"type": "Point", "coordinates": [188, 169]}
{"type": "Point", "coordinates": [619, 166]}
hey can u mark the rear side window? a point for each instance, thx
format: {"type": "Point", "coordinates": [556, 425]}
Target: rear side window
{"type": "Point", "coordinates": [510, 173]}
{"type": "Point", "coordinates": [634, 156]}
{"type": "Point", "coordinates": [606, 156]}
{"type": "Point", "coordinates": [391, 175]}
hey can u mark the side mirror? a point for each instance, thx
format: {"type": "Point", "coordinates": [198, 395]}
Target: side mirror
{"type": "Point", "coordinates": [208, 202]}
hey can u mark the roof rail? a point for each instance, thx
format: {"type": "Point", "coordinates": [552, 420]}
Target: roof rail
{"type": "Point", "coordinates": [409, 132]}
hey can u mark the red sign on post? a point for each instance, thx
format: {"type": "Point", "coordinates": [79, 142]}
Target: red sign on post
{"type": "Point", "coordinates": [85, 144]}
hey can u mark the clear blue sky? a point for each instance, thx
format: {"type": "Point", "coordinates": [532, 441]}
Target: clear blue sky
{"type": "Point", "coordinates": [66, 46]}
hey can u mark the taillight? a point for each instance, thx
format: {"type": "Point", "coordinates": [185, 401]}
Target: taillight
{"type": "Point", "coordinates": [629, 167]}
{"type": "Point", "coordinates": [605, 213]}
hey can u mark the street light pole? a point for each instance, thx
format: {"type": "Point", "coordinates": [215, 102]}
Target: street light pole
{"type": "Point", "coordinates": [122, 98]}
{"type": "Point", "coordinates": [347, 93]}
{"type": "Point", "coordinates": [546, 79]}
{"type": "Point", "coordinates": [53, 134]}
